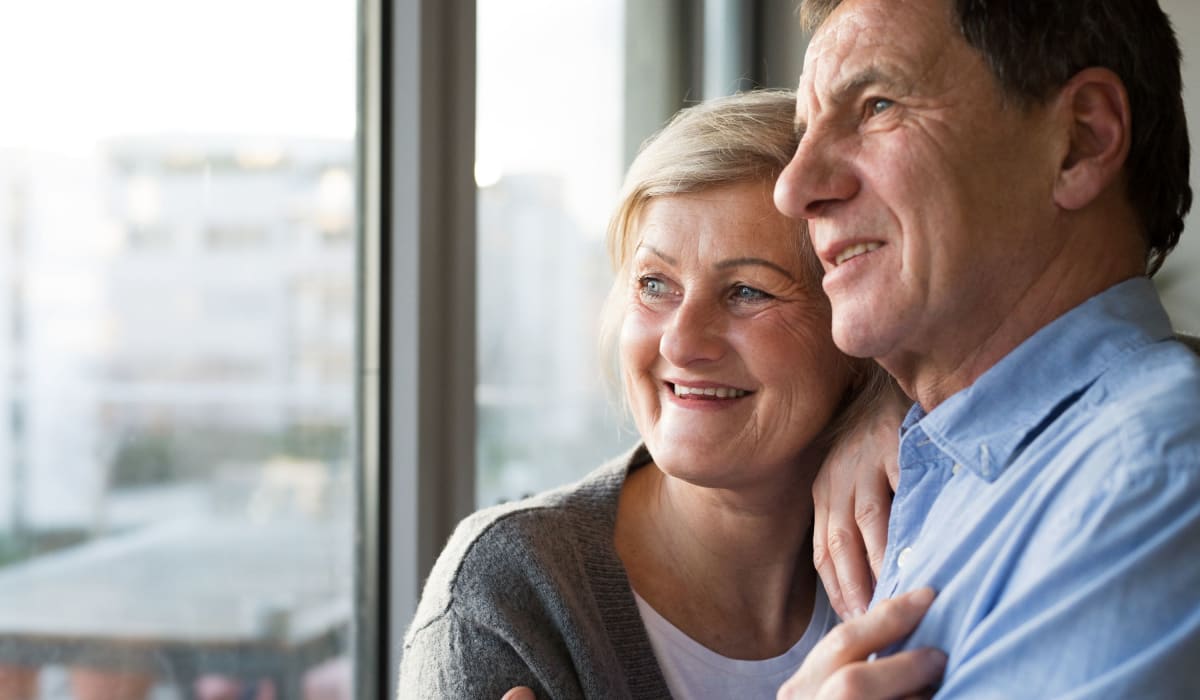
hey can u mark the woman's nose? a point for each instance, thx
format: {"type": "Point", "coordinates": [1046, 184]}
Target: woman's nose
{"type": "Point", "coordinates": [694, 334]}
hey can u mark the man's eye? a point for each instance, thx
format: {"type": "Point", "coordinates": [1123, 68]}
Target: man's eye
{"type": "Point", "coordinates": [876, 105]}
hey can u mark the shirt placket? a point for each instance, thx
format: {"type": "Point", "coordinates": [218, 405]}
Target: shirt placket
{"type": "Point", "coordinates": [924, 471]}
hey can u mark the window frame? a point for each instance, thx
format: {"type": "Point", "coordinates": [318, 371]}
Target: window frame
{"type": "Point", "coordinates": [417, 310]}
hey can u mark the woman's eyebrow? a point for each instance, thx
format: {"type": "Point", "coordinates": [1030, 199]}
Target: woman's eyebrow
{"type": "Point", "coordinates": [738, 262]}
{"type": "Point", "coordinates": [724, 264]}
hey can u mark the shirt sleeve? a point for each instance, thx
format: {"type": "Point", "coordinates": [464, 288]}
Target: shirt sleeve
{"type": "Point", "coordinates": [1103, 603]}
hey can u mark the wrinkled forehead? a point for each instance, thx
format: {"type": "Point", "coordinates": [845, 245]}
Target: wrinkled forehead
{"type": "Point", "coordinates": [837, 48]}
{"type": "Point", "coordinates": [870, 39]}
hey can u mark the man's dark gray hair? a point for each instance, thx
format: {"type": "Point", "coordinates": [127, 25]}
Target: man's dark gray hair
{"type": "Point", "coordinates": [1035, 46]}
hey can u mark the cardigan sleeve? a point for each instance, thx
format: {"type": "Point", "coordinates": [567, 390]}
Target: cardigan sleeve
{"type": "Point", "coordinates": [497, 612]}
{"type": "Point", "coordinates": [451, 657]}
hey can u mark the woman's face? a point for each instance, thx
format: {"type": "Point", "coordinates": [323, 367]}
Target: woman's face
{"type": "Point", "coordinates": [725, 346]}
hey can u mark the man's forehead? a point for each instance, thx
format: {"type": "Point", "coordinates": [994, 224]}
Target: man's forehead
{"type": "Point", "coordinates": [865, 40]}
{"type": "Point", "coordinates": [848, 38]}
{"type": "Point", "coordinates": [830, 59]}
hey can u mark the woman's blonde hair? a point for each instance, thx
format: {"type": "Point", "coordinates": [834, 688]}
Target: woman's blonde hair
{"type": "Point", "coordinates": [747, 137]}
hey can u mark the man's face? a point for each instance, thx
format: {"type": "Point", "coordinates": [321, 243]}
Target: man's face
{"type": "Point", "coordinates": [928, 195]}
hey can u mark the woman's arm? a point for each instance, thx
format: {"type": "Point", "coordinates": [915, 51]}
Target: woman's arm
{"type": "Point", "coordinates": [508, 603]}
{"type": "Point", "coordinates": [451, 657]}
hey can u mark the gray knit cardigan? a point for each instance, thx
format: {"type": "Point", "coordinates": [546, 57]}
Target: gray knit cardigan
{"type": "Point", "coordinates": [532, 593]}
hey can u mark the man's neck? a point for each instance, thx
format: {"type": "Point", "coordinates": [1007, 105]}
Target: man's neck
{"type": "Point", "coordinates": [951, 358]}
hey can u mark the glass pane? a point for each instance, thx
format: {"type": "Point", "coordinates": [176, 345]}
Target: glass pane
{"type": "Point", "coordinates": [176, 348]}
{"type": "Point", "coordinates": [548, 166]}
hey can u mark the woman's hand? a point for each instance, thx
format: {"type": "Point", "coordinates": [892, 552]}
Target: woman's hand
{"type": "Point", "coordinates": [852, 498]}
{"type": "Point", "coordinates": [837, 667]}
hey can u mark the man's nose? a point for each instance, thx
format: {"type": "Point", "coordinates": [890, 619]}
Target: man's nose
{"type": "Point", "coordinates": [817, 177]}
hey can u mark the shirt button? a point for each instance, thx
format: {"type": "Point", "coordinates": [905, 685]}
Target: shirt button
{"type": "Point", "coordinates": [956, 469]}
{"type": "Point", "coordinates": [900, 560]}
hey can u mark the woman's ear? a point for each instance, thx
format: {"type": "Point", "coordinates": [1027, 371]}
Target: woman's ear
{"type": "Point", "coordinates": [1095, 110]}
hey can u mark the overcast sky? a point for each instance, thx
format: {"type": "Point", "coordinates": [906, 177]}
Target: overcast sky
{"type": "Point", "coordinates": [76, 71]}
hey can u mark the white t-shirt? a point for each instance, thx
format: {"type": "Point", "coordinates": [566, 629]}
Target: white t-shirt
{"type": "Point", "coordinates": [694, 672]}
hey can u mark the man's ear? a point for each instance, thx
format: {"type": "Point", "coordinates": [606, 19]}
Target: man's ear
{"type": "Point", "coordinates": [1095, 108]}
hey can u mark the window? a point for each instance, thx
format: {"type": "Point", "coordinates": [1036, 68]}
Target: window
{"type": "Point", "coordinates": [548, 166]}
{"type": "Point", "coordinates": [178, 266]}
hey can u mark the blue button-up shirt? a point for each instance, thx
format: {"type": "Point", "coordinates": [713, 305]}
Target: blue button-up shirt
{"type": "Point", "coordinates": [1055, 506]}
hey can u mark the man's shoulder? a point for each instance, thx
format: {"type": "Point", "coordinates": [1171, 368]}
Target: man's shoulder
{"type": "Point", "coordinates": [1139, 420]}
{"type": "Point", "coordinates": [1141, 413]}
{"type": "Point", "coordinates": [1156, 392]}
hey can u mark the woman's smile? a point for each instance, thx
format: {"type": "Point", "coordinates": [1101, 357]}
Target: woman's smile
{"type": "Point", "coordinates": [728, 362]}
{"type": "Point", "coordinates": [700, 391]}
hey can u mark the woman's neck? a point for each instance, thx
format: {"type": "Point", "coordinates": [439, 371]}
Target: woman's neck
{"type": "Point", "coordinates": [732, 570]}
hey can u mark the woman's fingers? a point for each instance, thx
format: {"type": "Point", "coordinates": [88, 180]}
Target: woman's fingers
{"type": "Point", "coordinates": [822, 560]}
{"type": "Point", "coordinates": [850, 563]}
{"type": "Point", "coordinates": [521, 693]}
{"type": "Point", "coordinates": [872, 506]}
{"type": "Point", "coordinates": [886, 624]}
{"type": "Point", "coordinates": [841, 553]}
{"type": "Point", "coordinates": [837, 666]}
{"type": "Point", "coordinates": [902, 675]}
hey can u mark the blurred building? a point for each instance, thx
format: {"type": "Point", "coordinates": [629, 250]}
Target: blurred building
{"type": "Point", "coordinates": [544, 415]}
{"type": "Point", "coordinates": [166, 307]}
{"type": "Point", "coordinates": [51, 311]}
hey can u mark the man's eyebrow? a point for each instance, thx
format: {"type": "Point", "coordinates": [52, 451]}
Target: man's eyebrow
{"type": "Point", "coordinates": [871, 75]}
{"type": "Point", "coordinates": [738, 262]}
{"type": "Point", "coordinates": [847, 88]}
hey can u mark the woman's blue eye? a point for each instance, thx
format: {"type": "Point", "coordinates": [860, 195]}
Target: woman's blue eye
{"type": "Point", "coordinates": [652, 286]}
{"type": "Point", "coordinates": [743, 293]}
{"type": "Point", "coordinates": [879, 104]}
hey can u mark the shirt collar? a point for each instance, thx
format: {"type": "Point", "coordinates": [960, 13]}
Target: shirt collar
{"type": "Point", "coordinates": [983, 426]}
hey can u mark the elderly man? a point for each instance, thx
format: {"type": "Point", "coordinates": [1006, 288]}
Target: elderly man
{"type": "Point", "coordinates": [988, 185]}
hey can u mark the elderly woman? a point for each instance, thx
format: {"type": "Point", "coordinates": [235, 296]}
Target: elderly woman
{"type": "Point", "coordinates": [683, 568]}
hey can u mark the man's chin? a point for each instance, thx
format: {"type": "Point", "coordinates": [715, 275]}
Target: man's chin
{"type": "Point", "coordinates": [860, 339]}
